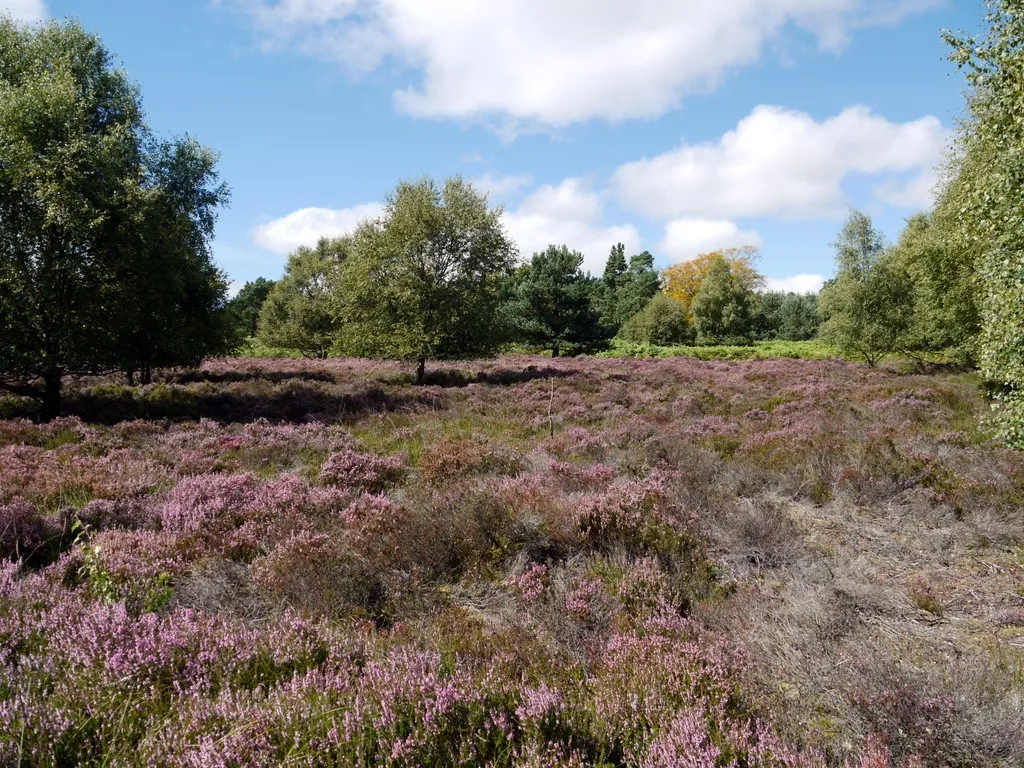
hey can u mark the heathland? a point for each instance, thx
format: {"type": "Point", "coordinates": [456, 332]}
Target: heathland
{"type": "Point", "coordinates": [523, 561]}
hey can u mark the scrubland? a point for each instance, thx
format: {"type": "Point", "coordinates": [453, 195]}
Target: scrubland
{"type": "Point", "coordinates": [525, 561]}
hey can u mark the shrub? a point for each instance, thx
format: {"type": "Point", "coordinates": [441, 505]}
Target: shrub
{"type": "Point", "coordinates": [315, 574]}
{"type": "Point", "coordinates": [358, 471]}
{"type": "Point", "coordinates": [22, 531]}
{"type": "Point", "coordinates": [663, 321]}
{"type": "Point", "coordinates": [451, 458]}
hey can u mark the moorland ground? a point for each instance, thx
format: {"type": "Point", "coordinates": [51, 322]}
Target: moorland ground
{"type": "Point", "coordinates": [524, 561]}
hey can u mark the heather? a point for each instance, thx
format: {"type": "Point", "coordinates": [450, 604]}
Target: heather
{"type": "Point", "coordinates": [521, 562]}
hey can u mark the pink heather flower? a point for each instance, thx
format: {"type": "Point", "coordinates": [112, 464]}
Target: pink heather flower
{"type": "Point", "coordinates": [711, 426]}
{"type": "Point", "coordinates": [356, 470]}
{"type": "Point", "coordinates": [530, 584]}
{"type": "Point", "coordinates": [369, 511]}
{"type": "Point", "coordinates": [537, 704]}
{"type": "Point", "coordinates": [22, 530]}
{"type": "Point", "coordinates": [581, 599]}
{"type": "Point", "coordinates": [685, 743]}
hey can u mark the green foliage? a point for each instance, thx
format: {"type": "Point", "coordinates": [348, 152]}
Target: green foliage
{"type": "Point", "coordinates": [104, 250]}
{"type": "Point", "coordinates": [615, 269]}
{"type": "Point", "coordinates": [625, 289]}
{"type": "Point", "coordinates": [663, 321]}
{"type": "Point", "coordinates": [722, 308]}
{"type": "Point", "coordinates": [992, 210]}
{"type": "Point", "coordinates": [761, 350]}
{"type": "Point", "coordinates": [297, 312]}
{"type": "Point", "coordinates": [244, 308]}
{"type": "Point", "coordinates": [798, 317]}
{"type": "Point", "coordinates": [943, 272]}
{"type": "Point", "coordinates": [549, 303]}
{"type": "Point", "coordinates": [424, 281]}
{"type": "Point", "coordinates": [785, 316]}
{"type": "Point", "coordinates": [639, 286]}
{"type": "Point", "coordinates": [868, 307]}
{"type": "Point", "coordinates": [170, 306]}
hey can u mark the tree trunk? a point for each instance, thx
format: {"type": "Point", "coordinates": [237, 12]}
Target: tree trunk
{"type": "Point", "coordinates": [421, 369]}
{"type": "Point", "coordinates": [130, 375]}
{"type": "Point", "coordinates": [146, 377]}
{"type": "Point", "coordinates": [554, 351]}
{"type": "Point", "coordinates": [51, 394]}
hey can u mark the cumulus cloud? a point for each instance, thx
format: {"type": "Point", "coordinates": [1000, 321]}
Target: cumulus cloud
{"type": "Point", "coordinates": [778, 162]}
{"type": "Point", "coordinates": [796, 284]}
{"type": "Point", "coordinates": [916, 193]}
{"type": "Point", "coordinates": [556, 62]}
{"type": "Point", "coordinates": [499, 188]}
{"type": "Point", "coordinates": [306, 226]}
{"type": "Point", "coordinates": [569, 213]}
{"type": "Point", "coordinates": [24, 10]}
{"type": "Point", "coordinates": [685, 239]}
{"type": "Point", "coordinates": [234, 287]}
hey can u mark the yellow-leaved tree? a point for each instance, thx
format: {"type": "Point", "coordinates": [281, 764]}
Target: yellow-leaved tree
{"type": "Point", "coordinates": [682, 281]}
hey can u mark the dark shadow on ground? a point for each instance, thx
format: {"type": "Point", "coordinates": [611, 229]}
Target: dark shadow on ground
{"type": "Point", "coordinates": [231, 377]}
{"type": "Point", "coordinates": [498, 377]}
{"type": "Point", "coordinates": [297, 403]}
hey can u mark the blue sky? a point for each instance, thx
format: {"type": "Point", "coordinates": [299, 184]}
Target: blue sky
{"type": "Point", "coordinates": [675, 126]}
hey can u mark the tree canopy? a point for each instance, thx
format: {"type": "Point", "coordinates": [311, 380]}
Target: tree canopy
{"type": "Point", "coordinates": [104, 257]}
{"type": "Point", "coordinates": [550, 302]}
{"type": "Point", "coordinates": [868, 307]}
{"type": "Point", "coordinates": [297, 312]}
{"type": "Point", "coordinates": [663, 321]}
{"type": "Point", "coordinates": [625, 287]}
{"type": "Point", "coordinates": [244, 308]}
{"type": "Point", "coordinates": [991, 204]}
{"type": "Point", "coordinates": [424, 281]}
{"type": "Point", "coordinates": [682, 281]}
{"type": "Point", "coordinates": [722, 307]}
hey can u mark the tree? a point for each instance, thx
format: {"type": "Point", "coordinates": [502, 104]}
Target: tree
{"type": "Point", "coordinates": [682, 281]}
{"type": "Point", "coordinates": [104, 258]}
{"type": "Point", "coordinates": [170, 297]}
{"type": "Point", "coordinates": [550, 302]}
{"type": "Point", "coordinates": [722, 307]}
{"type": "Point", "coordinates": [798, 317]}
{"type": "Point", "coordinates": [663, 321]}
{"type": "Point", "coordinates": [766, 315]}
{"type": "Point", "coordinates": [992, 204]}
{"type": "Point", "coordinates": [615, 269]}
{"type": "Point", "coordinates": [639, 285]}
{"type": "Point", "coordinates": [424, 281]}
{"type": "Point", "coordinates": [297, 313]}
{"type": "Point", "coordinates": [944, 275]}
{"type": "Point", "coordinates": [244, 308]}
{"type": "Point", "coordinates": [868, 307]}
{"type": "Point", "coordinates": [625, 287]}
{"type": "Point", "coordinates": [786, 316]}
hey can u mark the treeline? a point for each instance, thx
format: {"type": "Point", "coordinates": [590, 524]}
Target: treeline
{"type": "Point", "coordinates": [331, 299]}
{"type": "Point", "coordinates": [105, 229]}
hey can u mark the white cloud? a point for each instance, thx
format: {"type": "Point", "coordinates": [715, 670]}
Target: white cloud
{"type": "Point", "coordinates": [234, 287]}
{"type": "Point", "coordinates": [306, 226]}
{"type": "Point", "coordinates": [569, 213]}
{"type": "Point", "coordinates": [686, 239]}
{"type": "Point", "coordinates": [917, 192]}
{"type": "Point", "coordinates": [555, 62]}
{"type": "Point", "coordinates": [796, 284]}
{"type": "Point", "coordinates": [24, 10]}
{"type": "Point", "coordinates": [778, 162]}
{"type": "Point", "coordinates": [500, 188]}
